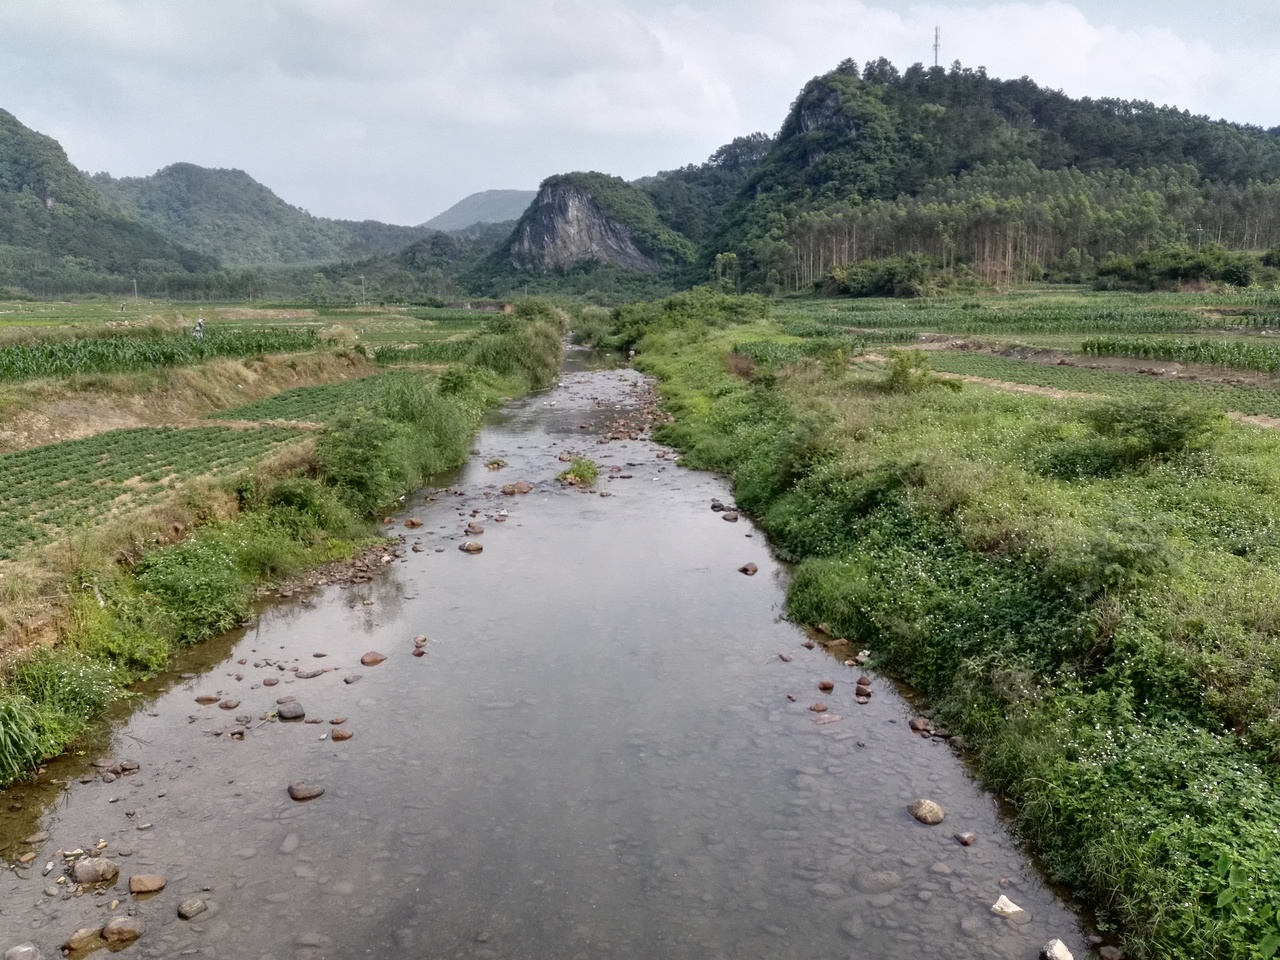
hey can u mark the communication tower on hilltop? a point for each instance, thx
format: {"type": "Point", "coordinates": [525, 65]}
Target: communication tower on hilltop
{"type": "Point", "coordinates": [937, 44]}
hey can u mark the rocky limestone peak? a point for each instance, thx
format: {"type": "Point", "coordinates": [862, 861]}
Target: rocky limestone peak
{"type": "Point", "coordinates": [565, 225]}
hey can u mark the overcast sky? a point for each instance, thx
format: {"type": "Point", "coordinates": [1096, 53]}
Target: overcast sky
{"type": "Point", "coordinates": [395, 109]}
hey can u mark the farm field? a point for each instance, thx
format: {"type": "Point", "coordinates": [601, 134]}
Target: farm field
{"type": "Point", "coordinates": [53, 490]}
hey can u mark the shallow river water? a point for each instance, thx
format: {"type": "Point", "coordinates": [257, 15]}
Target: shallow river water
{"type": "Point", "coordinates": [597, 757]}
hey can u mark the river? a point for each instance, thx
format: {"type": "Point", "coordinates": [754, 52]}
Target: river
{"type": "Point", "coordinates": [598, 755]}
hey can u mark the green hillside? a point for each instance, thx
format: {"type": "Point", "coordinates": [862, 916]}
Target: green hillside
{"type": "Point", "coordinates": [54, 226]}
{"type": "Point", "coordinates": [487, 206]}
{"type": "Point", "coordinates": [1006, 178]}
{"type": "Point", "coordinates": [231, 216]}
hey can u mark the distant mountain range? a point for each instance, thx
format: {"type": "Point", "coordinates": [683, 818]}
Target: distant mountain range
{"type": "Point", "coordinates": [985, 178]}
{"type": "Point", "coordinates": [487, 206]}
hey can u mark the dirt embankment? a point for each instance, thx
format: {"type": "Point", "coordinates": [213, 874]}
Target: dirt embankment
{"type": "Point", "coordinates": [47, 411]}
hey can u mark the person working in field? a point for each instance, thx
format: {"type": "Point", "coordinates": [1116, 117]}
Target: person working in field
{"type": "Point", "coordinates": [198, 332]}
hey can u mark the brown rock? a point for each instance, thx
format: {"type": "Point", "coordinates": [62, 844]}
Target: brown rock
{"type": "Point", "coordinates": [473, 530]}
{"type": "Point", "coordinates": [471, 546]}
{"type": "Point", "coordinates": [966, 839]}
{"type": "Point", "coordinates": [147, 883]}
{"type": "Point", "coordinates": [270, 681]}
{"type": "Point", "coordinates": [420, 640]}
{"type": "Point", "coordinates": [413, 523]}
{"type": "Point", "coordinates": [826, 686]}
{"type": "Point", "coordinates": [919, 724]}
{"type": "Point", "coordinates": [785, 657]}
{"type": "Point", "coordinates": [340, 734]}
{"type": "Point", "coordinates": [192, 908]}
{"type": "Point", "coordinates": [419, 652]}
{"type": "Point", "coordinates": [863, 698]}
{"type": "Point", "coordinates": [864, 681]}
{"type": "Point", "coordinates": [291, 711]}
{"type": "Point", "coordinates": [749, 569]}
{"type": "Point", "coordinates": [336, 721]}
{"type": "Point", "coordinates": [229, 704]}
{"type": "Point", "coordinates": [314, 720]}
{"type": "Point", "coordinates": [808, 644]}
{"type": "Point", "coordinates": [926, 811]}
{"type": "Point", "coordinates": [730, 515]}
{"type": "Point", "coordinates": [207, 698]}
{"type": "Point", "coordinates": [308, 674]}
{"type": "Point", "coordinates": [818, 707]}
{"type": "Point", "coordinates": [123, 929]}
{"type": "Point", "coordinates": [286, 699]}
{"type": "Point", "coordinates": [304, 791]}
{"type": "Point", "coordinates": [1111, 953]}
{"type": "Point", "coordinates": [372, 659]}
{"type": "Point", "coordinates": [352, 678]}
{"type": "Point", "coordinates": [84, 937]}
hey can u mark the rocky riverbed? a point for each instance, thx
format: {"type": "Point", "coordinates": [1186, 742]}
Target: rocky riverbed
{"type": "Point", "coordinates": [592, 737]}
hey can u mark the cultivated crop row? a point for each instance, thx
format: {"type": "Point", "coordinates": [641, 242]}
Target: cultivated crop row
{"type": "Point", "coordinates": [1219, 396]}
{"type": "Point", "coordinates": [124, 353]}
{"type": "Point", "coordinates": [303, 404]}
{"type": "Point", "coordinates": [64, 486]}
{"type": "Point", "coordinates": [431, 351]}
{"type": "Point", "coordinates": [1219, 351]}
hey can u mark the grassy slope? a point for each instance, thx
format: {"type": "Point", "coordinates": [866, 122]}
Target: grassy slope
{"type": "Point", "coordinates": [1106, 644]}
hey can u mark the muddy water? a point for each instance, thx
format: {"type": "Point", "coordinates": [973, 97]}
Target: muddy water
{"type": "Point", "coordinates": [597, 757]}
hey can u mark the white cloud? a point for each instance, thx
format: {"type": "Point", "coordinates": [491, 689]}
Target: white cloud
{"type": "Point", "coordinates": [395, 108]}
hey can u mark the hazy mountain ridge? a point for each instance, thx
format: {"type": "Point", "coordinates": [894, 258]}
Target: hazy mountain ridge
{"type": "Point", "coordinates": [485, 207]}
{"type": "Point", "coordinates": [228, 214]}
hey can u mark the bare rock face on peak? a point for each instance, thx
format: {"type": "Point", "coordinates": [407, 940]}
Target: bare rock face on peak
{"type": "Point", "coordinates": [566, 225]}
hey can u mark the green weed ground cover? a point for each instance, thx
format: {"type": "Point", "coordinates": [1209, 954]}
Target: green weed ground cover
{"type": "Point", "coordinates": [1086, 589]}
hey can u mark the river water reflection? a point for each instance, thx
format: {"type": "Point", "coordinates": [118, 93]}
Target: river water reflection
{"type": "Point", "coordinates": [596, 757]}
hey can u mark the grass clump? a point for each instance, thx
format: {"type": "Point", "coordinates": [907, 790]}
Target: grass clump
{"type": "Point", "coordinates": [581, 473]}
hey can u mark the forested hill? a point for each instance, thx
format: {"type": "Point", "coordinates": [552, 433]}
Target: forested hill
{"type": "Point", "coordinates": [231, 216]}
{"type": "Point", "coordinates": [53, 222]}
{"type": "Point", "coordinates": [1004, 175]}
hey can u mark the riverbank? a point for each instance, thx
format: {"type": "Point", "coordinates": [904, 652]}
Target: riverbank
{"type": "Point", "coordinates": [130, 597]}
{"type": "Point", "coordinates": [1084, 589]}
{"type": "Point", "coordinates": [593, 737]}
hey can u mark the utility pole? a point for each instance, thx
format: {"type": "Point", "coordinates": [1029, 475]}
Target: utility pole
{"type": "Point", "coordinates": [135, 288]}
{"type": "Point", "coordinates": [362, 300]}
{"type": "Point", "coordinates": [937, 44]}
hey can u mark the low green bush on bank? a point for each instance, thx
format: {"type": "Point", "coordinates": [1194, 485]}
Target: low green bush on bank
{"type": "Point", "coordinates": [1087, 592]}
{"type": "Point", "coordinates": [125, 623]}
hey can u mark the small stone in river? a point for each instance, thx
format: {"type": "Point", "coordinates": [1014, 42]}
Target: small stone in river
{"type": "Point", "coordinates": [23, 951]}
{"type": "Point", "coordinates": [147, 883]}
{"type": "Point", "coordinates": [84, 937]}
{"type": "Point", "coordinates": [372, 659]}
{"type": "Point", "coordinates": [808, 644]}
{"type": "Point", "coordinates": [785, 657]}
{"type": "Point", "coordinates": [1111, 953]}
{"type": "Point", "coordinates": [123, 929]}
{"type": "Point", "coordinates": [207, 698]}
{"type": "Point", "coordinates": [420, 640]}
{"type": "Point", "coordinates": [471, 546]}
{"type": "Point", "coordinates": [26, 858]}
{"type": "Point", "coordinates": [730, 515]}
{"type": "Point", "coordinates": [413, 523]}
{"type": "Point", "coordinates": [338, 721]}
{"type": "Point", "coordinates": [818, 707]}
{"type": "Point", "coordinates": [352, 678]}
{"type": "Point", "coordinates": [95, 870]}
{"type": "Point", "coordinates": [966, 839]}
{"type": "Point", "coordinates": [926, 811]}
{"type": "Point", "coordinates": [919, 724]}
{"type": "Point", "coordinates": [308, 674]}
{"type": "Point", "coordinates": [192, 908]}
{"type": "Point", "coordinates": [304, 791]}
{"type": "Point", "coordinates": [270, 681]}
{"type": "Point", "coordinates": [473, 530]}
{"type": "Point", "coordinates": [749, 569]}
{"type": "Point", "coordinates": [340, 734]}
{"type": "Point", "coordinates": [1004, 907]}
{"type": "Point", "coordinates": [229, 704]}
{"type": "Point", "coordinates": [290, 711]}
{"type": "Point", "coordinates": [1055, 950]}
{"type": "Point", "coordinates": [826, 686]}
{"type": "Point", "coordinates": [314, 720]}
{"type": "Point", "coordinates": [419, 652]}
